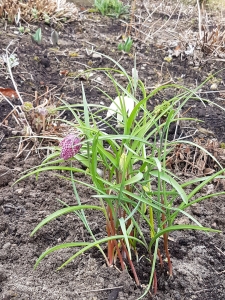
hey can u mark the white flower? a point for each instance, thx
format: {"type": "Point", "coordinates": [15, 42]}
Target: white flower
{"type": "Point", "coordinates": [117, 106]}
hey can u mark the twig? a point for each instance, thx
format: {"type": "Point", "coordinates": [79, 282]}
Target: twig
{"type": "Point", "coordinates": [220, 250]}
{"type": "Point", "coordinates": [199, 20]}
{"type": "Point", "coordinates": [203, 290]}
{"type": "Point", "coordinates": [132, 17]}
{"type": "Point", "coordinates": [177, 124]}
{"type": "Point", "coordinates": [2, 137]}
{"type": "Point", "coordinates": [14, 108]}
{"type": "Point", "coordinates": [100, 290]}
{"type": "Point", "coordinates": [167, 19]}
{"type": "Point", "coordinates": [220, 272]}
{"type": "Point", "coordinates": [10, 72]}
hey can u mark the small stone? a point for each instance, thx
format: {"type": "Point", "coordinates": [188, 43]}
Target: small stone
{"type": "Point", "coordinates": [45, 62]}
{"type": "Point", "coordinates": [7, 210]}
{"type": "Point", "coordinates": [8, 295]}
{"type": "Point", "coordinates": [19, 191]}
{"type": "Point", "coordinates": [5, 175]}
{"type": "Point", "coordinates": [2, 226]}
{"type": "Point", "coordinates": [3, 275]}
{"type": "Point", "coordinates": [18, 169]}
{"type": "Point", "coordinates": [96, 55]}
{"type": "Point", "coordinates": [3, 254]}
{"type": "Point", "coordinates": [182, 220]}
{"type": "Point", "coordinates": [6, 245]}
{"type": "Point", "coordinates": [214, 87]}
{"type": "Point", "coordinates": [8, 157]}
{"type": "Point", "coordinates": [214, 225]}
{"type": "Point", "coordinates": [15, 132]}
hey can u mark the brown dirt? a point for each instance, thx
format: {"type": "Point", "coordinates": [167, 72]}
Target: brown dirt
{"type": "Point", "coordinates": [198, 258]}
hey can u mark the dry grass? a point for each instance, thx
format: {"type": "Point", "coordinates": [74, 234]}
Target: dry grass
{"type": "Point", "coordinates": [32, 10]}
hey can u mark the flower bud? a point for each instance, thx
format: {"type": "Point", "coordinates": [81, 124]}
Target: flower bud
{"type": "Point", "coordinates": [122, 162]}
{"type": "Point", "coordinates": [70, 146]}
{"type": "Point", "coordinates": [27, 106]}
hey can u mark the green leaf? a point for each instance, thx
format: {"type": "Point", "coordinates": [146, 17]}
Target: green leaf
{"type": "Point", "coordinates": [58, 247]}
{"type": "Point", "coordinates": [50, 168]}
{"type": "Point", "coordinates": [173, 182]}
{"type": "Point", "coordinates": [134, 179]}
{"type": "Point", "coordinates": [96, 244]}
{"type": "Point", "coordinates": [124, 231]}
{"type": "Point", "coordinates": [37, 36]}
{"type": "Point", "coordinates": [61, 212]}
{"type": "Point", "coordinates": [179, 227]}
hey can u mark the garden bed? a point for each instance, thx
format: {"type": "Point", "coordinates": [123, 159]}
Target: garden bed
{"type": "Point", "coordinates": [198, 258]}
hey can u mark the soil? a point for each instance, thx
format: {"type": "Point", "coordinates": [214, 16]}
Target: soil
{"type": "Point", "coordinates": [198, 258]}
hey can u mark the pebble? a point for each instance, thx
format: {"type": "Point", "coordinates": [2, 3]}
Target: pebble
{"type": "Point", "coordinates": [2, 226]}
{"type": "Point", "coordinates": [199, 250]}
{"type": "Point", "coordinates": [113, 295]}
{"type": "Point", "coordinates": [3, 254]}
{"type": "Point", "coordinates": [6, 245]}
{"type": "Point", "coordinates": [5, 175]}
{"type": "Point", "coordinates": [182, 220]}
{"type": "Point", "coordinates": [96, 55]}
{"type": "Point", "coordinates": [7, 210]}
{"type": "Point", "coordinates": [214, 87]}
{"type": "Point", "coordinates": [3, 275]}
{"type": "Point", "coordinates": [8, 295]}
{"type": "Point", "coordinates": [214, 225]}
{"type": "Point", "coordinates": [19, 191]}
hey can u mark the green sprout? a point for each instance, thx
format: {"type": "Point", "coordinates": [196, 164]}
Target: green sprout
{"type": "Point", "coordinates": [35, 13]}
{"type": "Point", "coordinates": [37, 36]}
{"type": "Point", "coordinates": [222, 145]}
{"type": "Point", "coordinates": [46, 18]}
{"type": "Point", "coordinates": [162, 108]}
{"type": "Point", "coordinates": [21, 29]}
{"type": "Point", "coordinates": [27, 106]}
{"type": "Point", "coordinates": [126, 46]}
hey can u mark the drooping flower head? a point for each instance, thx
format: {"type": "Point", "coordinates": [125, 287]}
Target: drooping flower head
{"type": "Point", "coordinates": [42, 111]}
{"type": "Point", "coordinates": [70, 146]}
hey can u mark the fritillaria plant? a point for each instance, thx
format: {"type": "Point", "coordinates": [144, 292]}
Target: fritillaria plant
{"type": "Point", "coordinates": [129, 175]}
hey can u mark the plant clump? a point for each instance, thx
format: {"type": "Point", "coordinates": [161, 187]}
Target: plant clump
{"type": "Point", "coordinates": [129, 172]}
{"type": "Point", "coordinates": [13, 10]}
{"type": "Point", "coordinates": [126, 45]}
{"type": "Point", "coordinates": [112, 8]}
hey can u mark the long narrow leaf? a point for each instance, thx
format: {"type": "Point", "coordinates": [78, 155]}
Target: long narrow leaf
{"type": "Point", "coordinates": [179, 227]}
{"type": "Point", "coordinates": [124, 231]}
{"type": "Point", "coordinates": [61, 212]}
{"type": "Point", "coordinates": [173, 182]}
{"type": "Point", "coordinates": [97, 243]}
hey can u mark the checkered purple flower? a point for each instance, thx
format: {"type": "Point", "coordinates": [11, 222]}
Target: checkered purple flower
{"type": "Point", "coordinates": [70, 146]}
